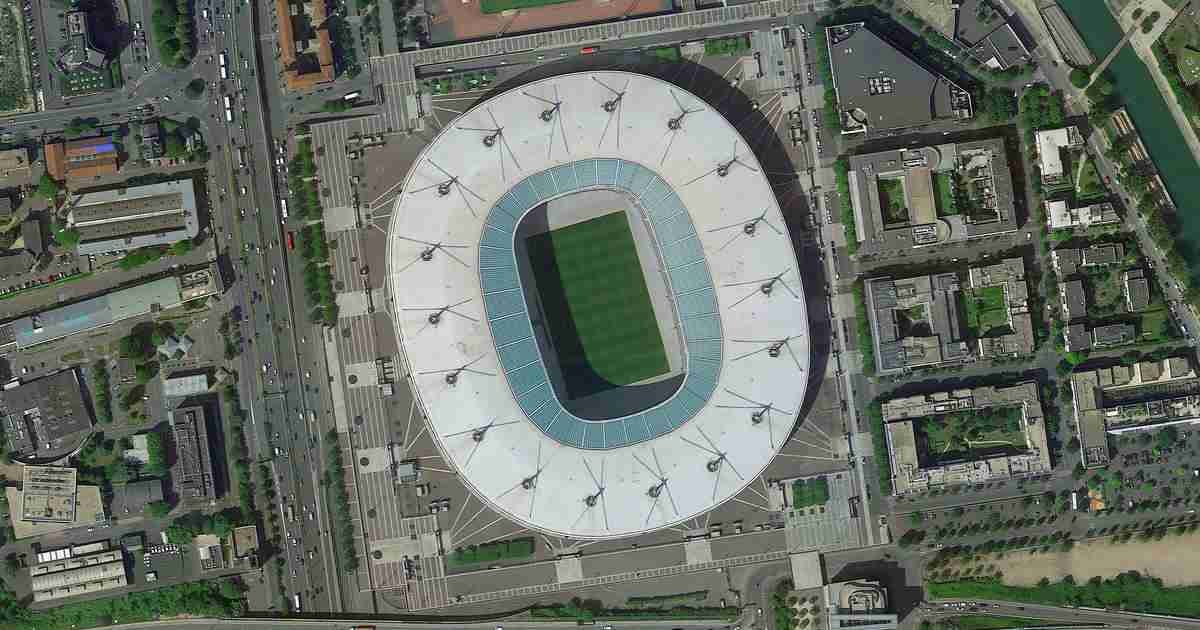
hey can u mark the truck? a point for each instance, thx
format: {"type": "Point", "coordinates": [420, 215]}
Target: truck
{"type": "Point", "coordinates": [352, 96]}
{"type": "Point", "coordinates": [291, 513]}
{"type": "Point", "coordinates": [241, 157]}
{"type": "Point", "coordinates": [296, 601]}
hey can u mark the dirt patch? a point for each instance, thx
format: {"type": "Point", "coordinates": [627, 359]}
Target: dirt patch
{"type": "Point", "coordinates": [1172, 559]}
{"type": "Point", "coordinates": [937, 13]}
{"type": "Point", "coordinates": [456, 20]}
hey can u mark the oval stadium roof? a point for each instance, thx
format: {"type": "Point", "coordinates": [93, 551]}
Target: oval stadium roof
{"type": "Point", "coordinates": [730, 269]}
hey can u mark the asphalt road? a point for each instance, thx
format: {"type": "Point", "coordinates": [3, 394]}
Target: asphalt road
{"type": "Point", "coordinates": [1066, 614]}
{"type": "Point", "coordinates": [324, 624]}
{"type": "Point", "coordinates": [271, 385]}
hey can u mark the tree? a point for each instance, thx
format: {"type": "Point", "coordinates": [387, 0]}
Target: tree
{"type": "Point", "coordinates": [1080, 77]}
{"type": "Point", "coordinates": [47, 187]}
{"type": "Point", "coordinates": [157, 509]}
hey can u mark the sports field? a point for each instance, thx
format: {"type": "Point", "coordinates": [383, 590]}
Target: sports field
{"type": "Point", "coordinates": [598, 309]}
{"type": "Point", "coordinates": [497, 6]}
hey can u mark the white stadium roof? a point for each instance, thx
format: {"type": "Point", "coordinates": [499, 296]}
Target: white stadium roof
{"type": "Point", "coordinates": [478, 374]}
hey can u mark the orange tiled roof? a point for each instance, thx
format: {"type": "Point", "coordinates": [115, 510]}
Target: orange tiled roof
{"type": "Point", "coordinates": [287, 47]}
{"type": "Point", "coordinates": [56, 164]}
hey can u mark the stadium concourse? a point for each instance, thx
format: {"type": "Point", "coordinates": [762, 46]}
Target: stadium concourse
{"type": "Point", "coordinates": [481, 362]}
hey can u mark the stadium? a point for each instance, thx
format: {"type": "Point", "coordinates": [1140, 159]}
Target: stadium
{"type": "Point", "coordinates": [598, 304]}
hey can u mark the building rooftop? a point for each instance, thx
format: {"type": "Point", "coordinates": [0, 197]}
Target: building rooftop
{"type": "Point", "coordinates": [33, 236]}
{"type": "Point", "coordinates": [192, 472]}
{"type": "Point", "coordinates": [138, 216]}
{"type": "Point", "coordinates": [83, 158]}
{"type": "Point", "coordinates": [1109, 400]}
{"type": "Point", "coordinates": [48, 494]}
{"type": "Point", "coordinates": [78, 575]}
{"type": "Point", "coordinates": [1113, 334]}
{"type": "Point", "coordinates": [182, 385]}
{"type": "Point", "coordinates": [89, 511]}
{"type": "Point", "coordinates": [97, 312]}
{"type": "Point", "coordinates": [913, 469]}
{"type": "Point", "coordinates": [880, 87]}
{"type": "Point", "coordinates": [1077, 337]}
{"type": "Point", "coordinates": [1103, 254]}
{"type": "Point", "coordinates": [980, 165]}
{"type": "Point", "coordinates": [1050, 143]}
{"type": "Point", "coordinates": [859, 605]}
{"type": "Point", "coordinates": [132, 498]}
{"type": "Point", "coordinates": [1074, 299]}
{"type": "Point", "coordinates": [45, 418]}
{"type": "Point", "coordinates": [1060, 216]}
{"type": "Point", "coordinates": [303, 67]}
{"type": "Point", "coordinates": [1137, 290]}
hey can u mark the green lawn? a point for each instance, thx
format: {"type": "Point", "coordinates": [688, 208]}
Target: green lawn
{"type": "Point", "coordinates": [985, 309]}
{"type": "Point", "coordinates": [943, 193]}
{"type": "Point", "coordinates": [1127, 592]}
{"type": "Point", "coordinates": [727, 46]}
{"type": "Point", "coordinates": [956, 436]}
{"type": "Point", "coordinates": [891, 200]}
{"type": "Point", "coordinates": [989, 622]}
{"type": "Point", "coordinates": [491, 552]}
{"type": "Point", "coordinates": [1089, 185]}
{"type": "Point", "coordinates": [497, 6]}
{"type": "Point", "coordinates": [1156, 325]}
{"type": "Point", "coordinates": [595, 299]}
{"type": "Point", "coordinates": [809, 492]}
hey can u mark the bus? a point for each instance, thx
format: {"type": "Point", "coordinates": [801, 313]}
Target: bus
{"type": "Point", "coordinates": [296, 601]}
{"type": "Point", "coordinates": [283, 213]}
{"type": "Point", "coordinates": [228, 109]}
{"type": "Point", "coordinates": [224, 63]}
{"type": "Point", "coordinates": [351, 96]}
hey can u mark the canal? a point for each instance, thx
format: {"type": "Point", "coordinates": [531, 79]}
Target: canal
{"type": "Point", "coordinates": [1162, 137]}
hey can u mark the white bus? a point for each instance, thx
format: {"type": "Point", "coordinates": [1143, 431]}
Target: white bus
{"type": "Point", "coordinates": [351, 96]}
{"type": "Point", "coordinates": [224, 62]}
{"type": "Point", "coordinates": [228, 109]}
{"type": "Point", "coordinates": [283, 213]}
{"type": "Point", "coordinates": [296, 601]}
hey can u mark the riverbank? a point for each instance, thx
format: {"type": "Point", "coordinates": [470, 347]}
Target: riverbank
{"type": "Point", "coordinates": [1142, 44]}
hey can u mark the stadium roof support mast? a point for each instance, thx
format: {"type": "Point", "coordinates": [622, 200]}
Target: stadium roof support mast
{"type": "Point", "coordinates": [612, 107]}
{"type": "Point", "coordinates": [551, 115]}
{"type": "Point", "coordinates": [495, 135]}
{"type": "Point", "coordinates": [452, 374]}
{"type": "Point", "coordinates": [759, 412]}
{"type": "Point", "coordinates": [746, 228]}
{"type": "Point", "coordinates": [773, 348]}
{"type": "Point", "coordinates": [722, 169]}
{"type": "Point", "coordinates": [427, 253]}
{"type": "Point", "coordinates": [477, 434]}
{"type": "Point", "coordinates": [449, 184]}
{"type": "Point", "coordinates": [656, 491]}
{"type": "Point", "coordinates": [720, 459]}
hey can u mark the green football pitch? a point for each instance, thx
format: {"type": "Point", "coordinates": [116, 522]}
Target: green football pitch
{"type": "Point", "coordinates": [597, 306]}
{"type": "Point", "coordinates": [498, 6]}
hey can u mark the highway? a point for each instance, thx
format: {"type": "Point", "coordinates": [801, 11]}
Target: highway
{"type": "Point", "coordinates": [325, 624]}
{"type": "Point", "coordinates": [1063, 614]}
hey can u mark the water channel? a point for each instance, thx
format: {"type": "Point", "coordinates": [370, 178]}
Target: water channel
{"type": "Point", "coordinates": [1162, 137]}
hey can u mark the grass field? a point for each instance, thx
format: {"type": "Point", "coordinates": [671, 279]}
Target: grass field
{"type": "Point", "coordinates": [597, 306]}
{"type": "Point", "coordinates": [943, 189]}
{"type": "Point", "coordinates": [971, 435]}
{"type": "Point", "coordinates": [985, 309]}
{"type": "Point", "coordinates": [1089, 185]}
{"type": "Point", "coordinates": [809, 492]}
{"type": "Point", "coordinates": [891, 200]}
{"type": "Point", "coordinates": [498, 6]}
